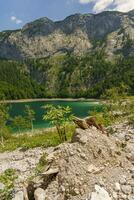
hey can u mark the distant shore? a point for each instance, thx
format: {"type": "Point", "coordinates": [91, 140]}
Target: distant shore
{"type": "Point", "coordinates": [52, 99]}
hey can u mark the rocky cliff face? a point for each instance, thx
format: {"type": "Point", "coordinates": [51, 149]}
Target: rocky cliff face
{"type": "Point", "coordinates": [112, 31]}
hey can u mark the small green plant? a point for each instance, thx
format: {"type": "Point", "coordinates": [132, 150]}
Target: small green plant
{"type": "Point", "coordinates": [24, 122]}
{"type": "Point", "coordinates": [7, 178]}
{"type": "Point", "coordinates": [4, 116]}
{"type": "Point", "coordinates": [29, 116]}
{"type": "Point", "coordinates": [20, 123]}
{"type": "Point", "coordinates": [130, 112]}
{"type": "Point", "coordinates": [114, 106]}
{"type": "Point", "coordinates": [41, 165]}
{"type": "Point", "coordinates": [110, 131]}
{"type": "Point", "coordinates": [103, 117]}
{"type": "Point", "coordinates": [131, 120]}
{"type": "Point", "coordinates": [59, 117]}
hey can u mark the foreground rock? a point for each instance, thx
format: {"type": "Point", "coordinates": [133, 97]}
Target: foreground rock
{"type": "Point", "coordinates": [92, 166]}
{"type": "Point", "coordinates": [19, 196]}
{"type": "Point", "coordinates": [100, 194]}
{"type": "Point", "coordinates": [39, 194]}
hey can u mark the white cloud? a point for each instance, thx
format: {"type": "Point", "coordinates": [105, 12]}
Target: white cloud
{"type": "Point", "coordinates": [16, 20]}
{"type": "Point", "coordinates": [19, 21]}
{"type": "Point", "coordinates": [124, 5]}
{"type": "Point", "coordinates": [13, 18]}
{"type": "Point", "coordinates": [84, 1]}
{"type": "Point", "coordinates": [101, 5]}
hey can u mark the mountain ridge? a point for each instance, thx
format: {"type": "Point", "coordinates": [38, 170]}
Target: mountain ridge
{"type": "Point", "coordinates": [78, 33]}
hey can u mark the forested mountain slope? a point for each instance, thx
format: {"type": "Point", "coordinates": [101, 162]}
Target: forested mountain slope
{"type": "Point", "coordinates": [64, 75]}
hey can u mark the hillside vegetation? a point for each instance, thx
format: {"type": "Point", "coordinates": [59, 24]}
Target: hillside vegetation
{"type": "Point", "coordinates": [65, 75]}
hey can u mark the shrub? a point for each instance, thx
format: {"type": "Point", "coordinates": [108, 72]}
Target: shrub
{"type": "Point", "coordinates": [7, 178]}
{"type": "Point", "coordinates": [59, 117]}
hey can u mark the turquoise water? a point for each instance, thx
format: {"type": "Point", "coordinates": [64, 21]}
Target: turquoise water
{"type": "Point", "coordinates": [79, 109]}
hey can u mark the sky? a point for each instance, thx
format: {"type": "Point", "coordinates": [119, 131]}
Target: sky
{"type": "Point", "coordinates": [16, 13]}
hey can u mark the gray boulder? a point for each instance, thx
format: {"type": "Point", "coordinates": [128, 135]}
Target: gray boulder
{"type": "Point", "coordinates": [19, 196]}
{"type": "Point", "coordinates": [100, 194]}
{"type": "Point", "coordinates": [39, 194]}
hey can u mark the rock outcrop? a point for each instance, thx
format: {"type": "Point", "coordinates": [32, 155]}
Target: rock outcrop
{"type": "Point", "coordinates": [87, 123]}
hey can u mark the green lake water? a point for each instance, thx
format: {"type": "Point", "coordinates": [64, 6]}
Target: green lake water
{"type": "Point", "coordinates": [79, 109]}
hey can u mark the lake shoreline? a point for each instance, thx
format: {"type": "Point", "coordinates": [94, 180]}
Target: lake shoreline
{"type": "Point", "coordinates": [52, 99]}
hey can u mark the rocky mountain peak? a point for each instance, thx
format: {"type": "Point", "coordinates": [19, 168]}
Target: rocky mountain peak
{"type": "Point", "coordinates": [131, 12]}
{"type": "Point", "coordinates": [42, 26]}
{"type": "Point", "coordinates": [78, 33]}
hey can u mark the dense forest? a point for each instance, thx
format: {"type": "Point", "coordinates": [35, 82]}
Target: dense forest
{"type": "Point", "coordinates": [65, 75]}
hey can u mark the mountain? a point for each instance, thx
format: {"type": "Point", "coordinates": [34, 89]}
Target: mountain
{"type": "Point", "coordinates": [111, 31]}
{"type": "Point", "coordinates": [81, 56]}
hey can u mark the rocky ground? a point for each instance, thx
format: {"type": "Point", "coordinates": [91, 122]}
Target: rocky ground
{"type": "Point", "coordinates": [24, 162]}
{"type": "Point", "coordinates": [93, 166]}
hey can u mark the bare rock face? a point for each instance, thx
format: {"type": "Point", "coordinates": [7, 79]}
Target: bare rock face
{"type": "Point", "coordinates": [77, 33]}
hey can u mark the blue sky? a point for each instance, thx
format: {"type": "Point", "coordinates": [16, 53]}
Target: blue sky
{"type": "Point", "coordinates": [15, 13]}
